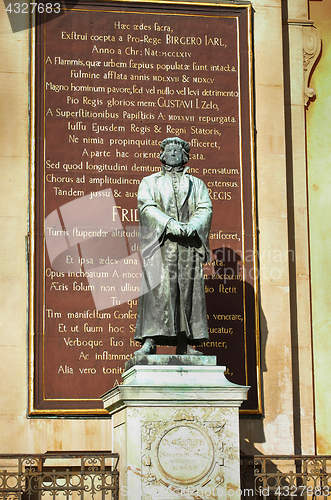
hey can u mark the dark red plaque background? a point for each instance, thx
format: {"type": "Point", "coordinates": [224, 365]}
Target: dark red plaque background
{"type": "Point", "coordinates": [112, 81]}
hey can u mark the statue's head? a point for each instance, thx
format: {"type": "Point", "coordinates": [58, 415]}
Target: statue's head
{"type": "Point", "coordinates": [175, 152]}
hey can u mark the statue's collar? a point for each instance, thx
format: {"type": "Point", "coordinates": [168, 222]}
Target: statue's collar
{"type": "Point", "coordinates": [169, 169]}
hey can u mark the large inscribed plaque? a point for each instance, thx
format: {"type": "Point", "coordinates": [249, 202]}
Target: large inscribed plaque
{"type": "Point", "coordinates": [110, 82]}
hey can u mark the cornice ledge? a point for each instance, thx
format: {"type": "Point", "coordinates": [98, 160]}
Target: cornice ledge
{"type": "Point", "coordinates": [299, 22]}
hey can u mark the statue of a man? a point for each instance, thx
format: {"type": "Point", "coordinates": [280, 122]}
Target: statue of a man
{"type": "Point", "coordinates": [175, 215]}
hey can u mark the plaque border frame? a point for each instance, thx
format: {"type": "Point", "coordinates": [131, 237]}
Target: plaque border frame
{"type": "Point", "coordinates": [33, 202]}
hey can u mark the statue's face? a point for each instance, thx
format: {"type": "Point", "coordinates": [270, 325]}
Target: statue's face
{"type": "Point", "coordinates": [173, 155]}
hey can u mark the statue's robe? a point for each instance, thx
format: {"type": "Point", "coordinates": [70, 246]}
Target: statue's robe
{"type": "Point", "coordinates": [172, 295]}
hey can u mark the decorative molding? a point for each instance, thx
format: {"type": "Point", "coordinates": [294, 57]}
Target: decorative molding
{"type": "Point", "coordinates": [311, 49]}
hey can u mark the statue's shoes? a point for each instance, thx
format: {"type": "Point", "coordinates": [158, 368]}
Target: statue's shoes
{"type": "Point", "coordinates": [192, 352]}
{"type": "Point", "coordinates": [149, 347]}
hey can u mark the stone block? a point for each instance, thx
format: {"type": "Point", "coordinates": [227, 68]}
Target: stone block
{"type": "Point", "coordinates": [177, 426]}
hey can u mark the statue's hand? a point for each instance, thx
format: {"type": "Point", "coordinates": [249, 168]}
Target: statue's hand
{"type": "Point", "coordinates": [190, 231]}
{"type": "Point", "coordinates": [174, 227]}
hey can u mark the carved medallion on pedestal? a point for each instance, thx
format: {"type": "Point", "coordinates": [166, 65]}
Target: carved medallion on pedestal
{"type": "Point", "coordinates": [185, 451]}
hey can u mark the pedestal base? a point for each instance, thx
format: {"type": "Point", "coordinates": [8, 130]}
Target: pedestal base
{"type": "Point", "coordinates": [176, 428]}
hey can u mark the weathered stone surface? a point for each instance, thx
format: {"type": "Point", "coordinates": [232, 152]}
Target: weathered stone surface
{"type": "Point", "coordinates": [185, 454]}
{"type": "Point", "coordinates": [181, 360]}
{"type": "Point", "coordinates": [178, 430]}
{"type": "Point", "coordinates": [178, 450]}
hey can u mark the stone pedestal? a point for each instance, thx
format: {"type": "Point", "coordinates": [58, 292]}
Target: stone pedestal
{"type": "Point", "coordinates": [175, 423]}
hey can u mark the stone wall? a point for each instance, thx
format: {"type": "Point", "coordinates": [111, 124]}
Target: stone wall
{"type": "Point", "coordinates": [287, 425]}
{"type": "Point", "coordinates": [318, 152]}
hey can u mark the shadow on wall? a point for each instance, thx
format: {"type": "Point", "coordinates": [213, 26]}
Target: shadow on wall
{"type": "Point", "coordinates": [227, 271]}
{"type": "Point", "coordinates": [232, 318]}
{"type": "Point", "coordinates": [253, 429]}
